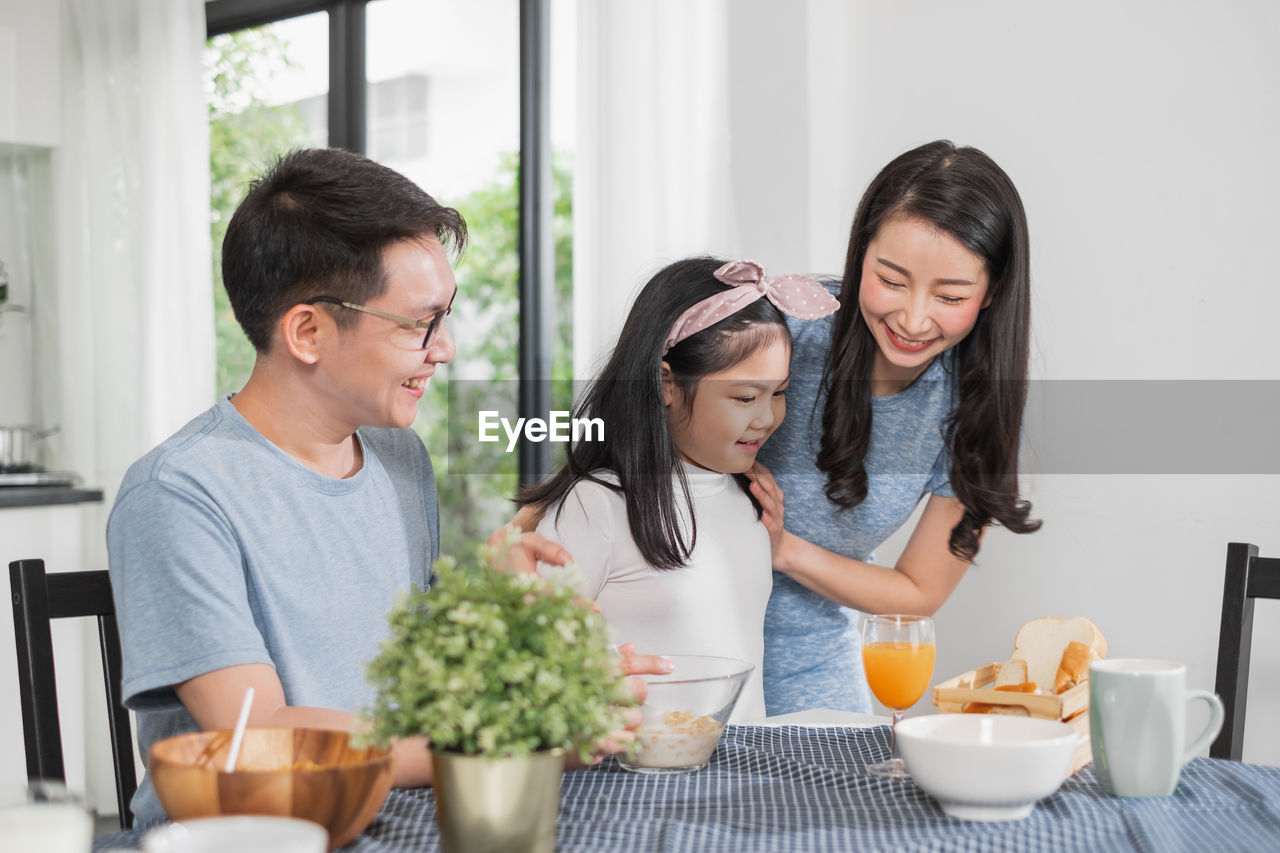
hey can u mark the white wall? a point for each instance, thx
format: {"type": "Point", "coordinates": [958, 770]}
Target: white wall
{"type": "Point", "coordinates": [30, 122]}
{"type": "Point", "coordinates": [1142, 136]}
{"type": "Point", "coordinates": [29, 72]}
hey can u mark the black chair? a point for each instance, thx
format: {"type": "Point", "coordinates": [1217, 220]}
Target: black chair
{"type": "Point", "coordinates": [1248, 577]}
{"type": "Point", "coordinates": [37, 598]}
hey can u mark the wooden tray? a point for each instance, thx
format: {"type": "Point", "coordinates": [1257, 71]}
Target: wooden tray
{"type": "Point", "coordinates": [1072, 707]}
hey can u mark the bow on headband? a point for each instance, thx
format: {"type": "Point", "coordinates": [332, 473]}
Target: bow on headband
{"type": "Point", "coordinates": [796, 295]}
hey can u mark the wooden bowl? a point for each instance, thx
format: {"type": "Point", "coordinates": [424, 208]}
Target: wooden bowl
{"type": "Point", "coordinates": [314, 774]}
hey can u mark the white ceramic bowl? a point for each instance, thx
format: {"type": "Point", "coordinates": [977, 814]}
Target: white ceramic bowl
{"type": "Point", "coordinates": [685, 713]}
{"type": "Point", "coordinates": [242, 834]}
{"type": "Point", "coordinates": [986, 766]}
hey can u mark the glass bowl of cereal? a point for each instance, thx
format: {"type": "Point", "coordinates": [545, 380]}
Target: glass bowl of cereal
{"type": "Point", "coordinates": [685, 713]}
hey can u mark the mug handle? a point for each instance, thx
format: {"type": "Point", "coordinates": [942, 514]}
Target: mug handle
{"type": "Point", "coordinates": [1216, 715]}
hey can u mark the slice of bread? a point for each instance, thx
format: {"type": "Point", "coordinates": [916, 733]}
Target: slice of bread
{"type": "Point", "coordinates": [1011, 672]}
{"type": "Point", "coordinates": [1025, 687]}
{"type": "Point", "coordinates": [1042, 642]}
{"type": "Point", "coordinates": [1074, 668]}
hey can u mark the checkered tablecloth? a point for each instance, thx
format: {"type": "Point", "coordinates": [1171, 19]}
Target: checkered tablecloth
{"type": "Point", "coordinates": [805, 789]}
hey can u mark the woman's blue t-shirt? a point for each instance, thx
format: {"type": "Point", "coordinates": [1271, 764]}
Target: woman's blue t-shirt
{"type": "Point", "coordinates": [812, 654]}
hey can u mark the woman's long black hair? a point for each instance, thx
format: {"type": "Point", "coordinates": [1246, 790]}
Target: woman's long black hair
{"type": "Point", "coordinates": [627, 396]}
{"type": "Point", "coordinates": [962, 192]}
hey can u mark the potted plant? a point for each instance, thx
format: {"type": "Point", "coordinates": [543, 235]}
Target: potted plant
{"type": "Point", "coordinates": [503, 673]}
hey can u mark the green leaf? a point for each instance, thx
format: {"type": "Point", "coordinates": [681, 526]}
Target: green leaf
{"type": "Point", "coordinates": [498, 663]}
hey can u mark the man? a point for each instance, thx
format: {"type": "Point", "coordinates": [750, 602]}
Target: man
{"type": "Point", "coordinates": [263, 544]}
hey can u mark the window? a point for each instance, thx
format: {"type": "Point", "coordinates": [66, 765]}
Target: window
{"type": "Point", "coordinates": [267, 92]}
{"type": "Point", "coordinates": [433, 90]}
{"type": "Point", "coordinates": [398, 119]}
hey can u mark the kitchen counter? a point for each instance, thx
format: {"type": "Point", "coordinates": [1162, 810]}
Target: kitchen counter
{"type": "Point", "coordinates": [26, 496]}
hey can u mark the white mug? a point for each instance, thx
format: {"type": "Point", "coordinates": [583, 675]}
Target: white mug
{"type": "Point", "coordinates": [44, 816]}
{"type": "Point", "coordinates": [1137, 725]}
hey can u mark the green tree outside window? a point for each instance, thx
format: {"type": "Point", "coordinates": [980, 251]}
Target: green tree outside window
{"type": "Point", "coordinates": [475, 481]}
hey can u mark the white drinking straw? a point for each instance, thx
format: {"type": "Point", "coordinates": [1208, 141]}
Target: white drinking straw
{"type": "Point", "coordinates": [239, 734]}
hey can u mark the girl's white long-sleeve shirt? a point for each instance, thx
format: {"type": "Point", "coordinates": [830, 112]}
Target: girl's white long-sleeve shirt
{"type": "Point", "coordinates": [714, 605]}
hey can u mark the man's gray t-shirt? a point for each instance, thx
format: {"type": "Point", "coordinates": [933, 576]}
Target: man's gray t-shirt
{"type": "Point", "coordinates": [813, 653]}
{"type": "Point", "coordinates": [224, 550]}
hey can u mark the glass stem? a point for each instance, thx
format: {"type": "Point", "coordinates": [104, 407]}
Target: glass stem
{"type": "Point", "coordinates": [893, 735]}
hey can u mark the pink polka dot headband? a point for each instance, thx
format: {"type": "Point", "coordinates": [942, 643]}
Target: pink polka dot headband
{"type": "Point", "coordinates": [796, 295]}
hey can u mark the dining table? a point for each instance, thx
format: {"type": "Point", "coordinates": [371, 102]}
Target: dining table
{"type": "Point", "coordinates": [799, 783]}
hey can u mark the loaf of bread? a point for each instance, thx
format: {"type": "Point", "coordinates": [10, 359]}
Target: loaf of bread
{"type": "Point", "coordinates": [1043, 643]}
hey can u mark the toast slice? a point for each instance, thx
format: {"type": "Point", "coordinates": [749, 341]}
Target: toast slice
{"type": "Point", "coordinates": [1074, 668]}
{"type": "Point", "coordinates": [1011, 672]}
{"type": "Point", "coordinates": [1025, 687]}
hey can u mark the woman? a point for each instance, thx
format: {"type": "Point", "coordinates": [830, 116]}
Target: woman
{"type": "Point", "coordinates": [915, 388]}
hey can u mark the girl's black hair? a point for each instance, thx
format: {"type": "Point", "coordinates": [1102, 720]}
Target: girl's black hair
{"type": "Point", "coordinates": [962, 192]}
{"type": "Point", "coordinates": [627, 397]}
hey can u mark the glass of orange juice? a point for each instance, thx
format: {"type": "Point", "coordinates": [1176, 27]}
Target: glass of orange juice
{"type": "Point", "coordinates": [897, 655]}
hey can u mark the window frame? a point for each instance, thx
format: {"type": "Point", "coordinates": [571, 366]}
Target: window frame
{"type": "Point", "coordinates": [348, 129]}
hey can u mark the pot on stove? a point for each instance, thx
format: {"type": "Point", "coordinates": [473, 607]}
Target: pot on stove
{"type": "Point", "coordinates": [18, 446]}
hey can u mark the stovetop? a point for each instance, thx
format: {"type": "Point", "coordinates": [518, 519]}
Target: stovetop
{"type": "Point", "coordinates": [33, 475]}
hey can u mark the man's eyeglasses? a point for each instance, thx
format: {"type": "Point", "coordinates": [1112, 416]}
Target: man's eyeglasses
{"type": "Point", "coordinates": [431, 324]}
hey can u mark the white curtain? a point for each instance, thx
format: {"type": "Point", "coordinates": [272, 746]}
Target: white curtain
{"type": "Point", "coordinates": [130, 352]}
{"type": "Point", "coordinates": [697, 124]}
{"type": "Point", "coordinates": [652, 178]}
{"type": "Point", "coordinates": [125, 345]}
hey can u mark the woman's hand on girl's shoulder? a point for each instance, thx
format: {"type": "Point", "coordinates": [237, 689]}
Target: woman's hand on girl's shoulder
{"type": "Point", "coordinates": [767, 491]}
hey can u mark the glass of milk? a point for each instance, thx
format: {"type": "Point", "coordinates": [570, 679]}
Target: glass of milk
{"type": "Point", "coordinates": [44, 816]}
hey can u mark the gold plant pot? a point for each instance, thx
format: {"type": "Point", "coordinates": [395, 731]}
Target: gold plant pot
{"type": "Point", "coordinates": [497, 805]}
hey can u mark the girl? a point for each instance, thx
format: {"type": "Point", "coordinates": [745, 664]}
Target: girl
{"type": "Point", "coordinates": [657, 515]}
{"type": "Point", "coordinates": [915, 388]}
